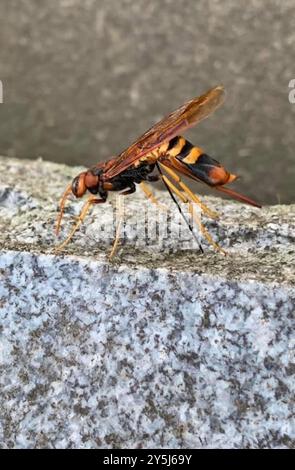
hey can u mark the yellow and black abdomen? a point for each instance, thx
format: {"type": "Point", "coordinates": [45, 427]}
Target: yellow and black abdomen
{"type": "Point", "coordinates": [201, 165]}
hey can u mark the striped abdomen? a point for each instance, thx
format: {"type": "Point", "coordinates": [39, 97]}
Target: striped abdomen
{"type": "Point", "coordinates": [202, 166]}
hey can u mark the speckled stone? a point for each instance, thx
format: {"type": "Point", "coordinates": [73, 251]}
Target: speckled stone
{"type": "Point", "coordinates": [162, 347]}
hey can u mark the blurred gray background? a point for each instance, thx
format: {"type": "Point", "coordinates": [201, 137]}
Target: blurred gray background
{"type": "Point", "coordinates": [83, 79]}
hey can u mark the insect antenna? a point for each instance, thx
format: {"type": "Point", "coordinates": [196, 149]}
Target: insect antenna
{"type": "Point", "coordinates": [179, 208]}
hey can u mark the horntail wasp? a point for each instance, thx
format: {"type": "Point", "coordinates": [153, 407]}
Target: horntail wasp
{"type": "Point", "coordinates": [161, 153]}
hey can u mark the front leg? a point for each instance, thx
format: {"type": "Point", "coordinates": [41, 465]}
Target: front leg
{"type": "Point", "coordinates": [91, 200]}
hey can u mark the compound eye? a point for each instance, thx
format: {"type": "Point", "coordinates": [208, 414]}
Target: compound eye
{"type": "Point", "coordinates": [78, 185]}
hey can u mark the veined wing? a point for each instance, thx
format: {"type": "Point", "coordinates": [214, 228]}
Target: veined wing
{"type": "Point", "coordinates": [187, 115]}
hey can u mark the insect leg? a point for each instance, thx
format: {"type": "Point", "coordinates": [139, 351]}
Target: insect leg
{"type": "Point", "coordinates": [62, 207]}
{"type": "Point", "coordinates": [174, 189]}
{"type": "Point", "coordinates": [150, 196]}
{"type": "Point", "coordinates": [203, 230]}
{"type": "Point", "coordinates": [189, 193]}
{"type": "Point", "coordinates": [119, 225]}
{"type": "Point", "coordinates": [152, 178]}
{"type": "Point", "coordinates": [169, 187]}
{"type": "Point", "coordinates": [82, 215]}
{"type": "Point", "coordinates": [131, 190]}
{"type": "Point", "coordinates": [194, 216]}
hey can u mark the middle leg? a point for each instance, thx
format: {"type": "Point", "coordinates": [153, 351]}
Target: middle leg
{"type": "Point", "coordinates": [151, 197]}
{"type": "Point", "coordinates": [120, 210]}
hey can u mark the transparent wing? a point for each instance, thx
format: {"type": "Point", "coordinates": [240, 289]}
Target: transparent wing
{"type": "Point", "coordinates": [189, 114]}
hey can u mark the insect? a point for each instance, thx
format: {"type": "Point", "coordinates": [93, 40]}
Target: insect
{"type": "Point", "coordinates": [160, 153]}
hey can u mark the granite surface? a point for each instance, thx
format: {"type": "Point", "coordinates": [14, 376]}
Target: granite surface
{"type": "Point", "coordinates": [83, 79]}
{"type": "Point", "coordinates": [162, 347]}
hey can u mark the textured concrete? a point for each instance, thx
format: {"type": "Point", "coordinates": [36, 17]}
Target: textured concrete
{"type": "Point", "coordinates": [163, 347]}
{"type": "Point", "coordinates": [83, 79]}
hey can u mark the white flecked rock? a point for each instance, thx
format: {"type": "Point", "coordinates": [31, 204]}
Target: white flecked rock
{"type": "Point", "coordinates": [162, 347]}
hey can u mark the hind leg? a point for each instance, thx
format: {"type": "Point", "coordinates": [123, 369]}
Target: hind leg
{"type": "Point", "coordinates": [192, 196]}
{"type": "Point", "coordinates": [194, 216]}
